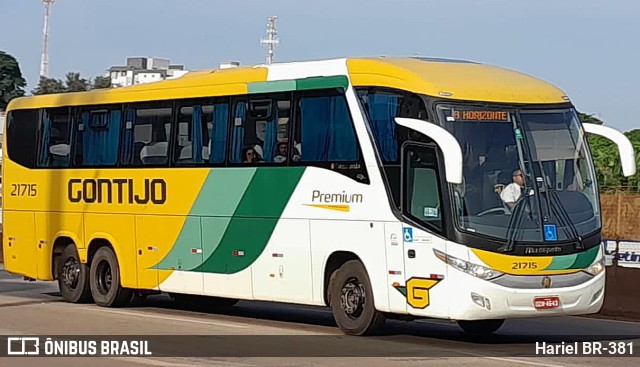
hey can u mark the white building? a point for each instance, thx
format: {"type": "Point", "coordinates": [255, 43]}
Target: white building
{"type": "Point", "coordinates": [141, 70]}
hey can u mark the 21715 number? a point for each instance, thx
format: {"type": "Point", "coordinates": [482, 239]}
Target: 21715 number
{"type": "Point", "coordinates": [24, 189]}
{"type": "Point", "coordinates": [522, 265]}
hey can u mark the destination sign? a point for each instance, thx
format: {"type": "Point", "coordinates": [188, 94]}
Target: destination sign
{"type": "Point", "coordinates": [481, 115]}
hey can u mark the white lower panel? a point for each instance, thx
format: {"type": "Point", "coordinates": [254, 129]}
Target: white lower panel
{"type": "Point", "coordinates": [183, 282]}
{"type": "Point", "coordinates": [283, 271]}
{"type": "Point", "coordinates": [236, 285]}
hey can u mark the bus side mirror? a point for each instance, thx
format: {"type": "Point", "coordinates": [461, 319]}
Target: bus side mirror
{"type": "Point", "coordinates": [447, 143]}
{"type": "Point", "coordinates": [625, 148]}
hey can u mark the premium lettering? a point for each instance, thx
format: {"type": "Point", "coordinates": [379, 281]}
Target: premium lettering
{"type": "Point", "coordinates": [119, 191]}
{"type": "Point", "coordinates": [330, 198]}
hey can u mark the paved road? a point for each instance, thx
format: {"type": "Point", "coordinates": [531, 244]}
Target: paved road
{"type": "Point", "coordinates": [35, 308]}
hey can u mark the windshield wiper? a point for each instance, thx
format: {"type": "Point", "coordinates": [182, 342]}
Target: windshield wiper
{"type": "Point", "coordinates": [516, 220]}
{"type": "Point", "coordinates": [555, 206]}
{"type": "Point", "coordinates": [514, 223]}
{"type": "Point", "coordinates": [562, 214]}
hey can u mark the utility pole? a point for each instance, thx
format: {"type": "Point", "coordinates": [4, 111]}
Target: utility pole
{"type": "Point", "coordinates": [44, 60]}
{"type": "Point", "coordinates": [271, 41]}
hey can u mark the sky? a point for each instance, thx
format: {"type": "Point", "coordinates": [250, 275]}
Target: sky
{"type": "Point", "coordinates": [588, 48]}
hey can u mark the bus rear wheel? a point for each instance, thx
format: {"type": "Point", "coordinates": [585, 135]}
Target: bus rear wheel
{"type": "Point", "coordinates": [73, 276]}
{"type": "Point", "coordinates": [351, 300]}
{"type": "Point", "coordinates": [105, 280]}
{"type": "Point", "coordinates": [482, 327]}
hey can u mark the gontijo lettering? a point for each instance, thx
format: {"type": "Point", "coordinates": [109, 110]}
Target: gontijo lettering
{"type": "Point", "coordinates": [119, 190]}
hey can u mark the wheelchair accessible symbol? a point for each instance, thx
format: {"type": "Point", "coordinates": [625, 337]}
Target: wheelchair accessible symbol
{"type": "Point", "coordinates": [550, 232]}
{"type": "Point", "coordinates": [408, 234]}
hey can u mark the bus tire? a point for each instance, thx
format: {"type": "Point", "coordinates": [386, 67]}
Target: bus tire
{"type": "Point", "coordinates": [73, 276]}
{"type": "Point", "coordinates": [480, 327]}
{"type": "Point", "coordinates": [105, 280]}
{"type": "Point", "coordinates": [351, 300]}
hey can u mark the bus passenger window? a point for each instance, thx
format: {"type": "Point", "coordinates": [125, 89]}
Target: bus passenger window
{"type": "Point", "coordinates": [382, 107]}
{"type": "Point", "coordinates": [325, 130]}
{"type": "Point", "coordinates": [22, 136]}
{"type": "Point", "coordinates": [260, 125]}
{"type": "Point", "coordinates": [55, 138]}
{"type": "Point", "coordinates": [147, 136]}
{"type": "Point", "coordinates": [97, 138]}
{"type": "Point", "coordinates": [202, 134]}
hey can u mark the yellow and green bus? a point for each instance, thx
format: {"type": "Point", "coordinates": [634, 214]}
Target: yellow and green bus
{"type": "Point", "coordinates": [381, 187]}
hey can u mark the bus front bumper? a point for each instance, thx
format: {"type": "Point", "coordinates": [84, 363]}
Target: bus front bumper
{"type": "Point", "coordinates": [478, 299]}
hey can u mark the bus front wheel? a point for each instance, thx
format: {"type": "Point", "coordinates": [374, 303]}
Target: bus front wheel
{"type": "Point", "coordinates": [351, 300]}
{"type": "Point", "coordinates": [73, 276]}
{"type": "Point", "coordinates": [480, 326]}
{"type": "Point", "coordinates": [105, 280]}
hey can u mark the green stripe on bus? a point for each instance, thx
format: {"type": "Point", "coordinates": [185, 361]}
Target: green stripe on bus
{"type": "Point", "coordinates": [181, 257]}
{"type": "Point", "coordinates": [586, 258]}
{"type": "Point", "coordinates": [219, 196]}
{"type": "Point", "coordinates": [561, 262]}
{"type": "Point", "coordinates": [213, 229]}
{"type": "Point", "coordinates": [273, 86]}
{"type": "Point", "coordinates": [320, 82]}
{"type": "Point", "coordinates": [339, 81]}
{"type": "Point", "coordinates": [254, 220]}
{"type": "Point", "coordinates": [222, 191]}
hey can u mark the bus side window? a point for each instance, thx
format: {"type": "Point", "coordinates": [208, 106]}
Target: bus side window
{"type": "Point", "coordinates": [97, 138]}
{"type": "Point", "coordinates": [324, 135]}
{"type": "Point", "coordinates": [202, 133]}
{"type": "Point", "coordinates": [382, 106]}
{"type": "Point", "coordinates": [22, 136]}
{"type": "Point", "coordinates": [260, 127]}
{"type": "Point", "coordinates": [55, 133]}
{"type": "Point", "coordinates": [147, 135]}
{"type": "Point", "coordinates": [326, 130]}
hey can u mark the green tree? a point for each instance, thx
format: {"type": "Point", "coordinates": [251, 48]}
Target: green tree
{"type": "Point", "coordinates": [607, 159]}
{"type": "Point", "coordinates": [49, 86]}
{"type": "Point", "coordinates": [11, 81]}
{"type": "Point", "coordinates": [75, 83]}
{"type": "Point", "coordinates": [101, 82]}
{"type": "Point", "coordinates": [589, 119]}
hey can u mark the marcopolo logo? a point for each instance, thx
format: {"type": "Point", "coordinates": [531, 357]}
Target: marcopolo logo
{"type": "Point", "coordinates": [334, 201]}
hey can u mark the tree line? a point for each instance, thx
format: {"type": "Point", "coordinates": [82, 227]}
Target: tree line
{"type": "Point", "coordinates": [12, 83]}
{"type": "Point", "coordinates": [607, 160]}
{"type": "Point", "coordinates": [604, 152]}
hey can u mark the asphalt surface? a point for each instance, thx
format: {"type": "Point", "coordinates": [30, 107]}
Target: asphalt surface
{"type": "Point", "coordinates": [269, 334]}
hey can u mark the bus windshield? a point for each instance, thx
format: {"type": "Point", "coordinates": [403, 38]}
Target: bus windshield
{"type": "Point", "coordinates": [527, 174]}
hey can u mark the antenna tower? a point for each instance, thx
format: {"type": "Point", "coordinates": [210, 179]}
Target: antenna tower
{"type": "Point", "coordinates": [44, 61]}
{"type": "Point", "coordinates": [271, 41]}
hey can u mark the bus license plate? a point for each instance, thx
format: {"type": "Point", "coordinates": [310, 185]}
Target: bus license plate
{"type": "Point", "coordinates": [545, 303]}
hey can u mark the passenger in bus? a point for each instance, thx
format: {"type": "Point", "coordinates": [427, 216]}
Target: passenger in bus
{"type": "Point", "coordinates": [283, 151]}
{"type": "Point", "coordinates": [512, 192]}
{"type": "Point", "coordinates": [281, 157]}
{"type": "Point", "coordinates": [249, 155]}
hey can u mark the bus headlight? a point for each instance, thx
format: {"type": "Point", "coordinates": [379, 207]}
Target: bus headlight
{"type": "Point", "coordinates": [476, 270]}
{"type": "Point", "coordinates": [596, 268]}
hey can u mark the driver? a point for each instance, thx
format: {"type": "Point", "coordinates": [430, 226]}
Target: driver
{"type": "Point", "coordinates": [512, 192]}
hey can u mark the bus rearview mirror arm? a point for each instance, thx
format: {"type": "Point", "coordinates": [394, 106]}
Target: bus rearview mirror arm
{"type": "Point", "coordinates": [447, 143]}
{"type": "Point", "coordinates": [625, 148]}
